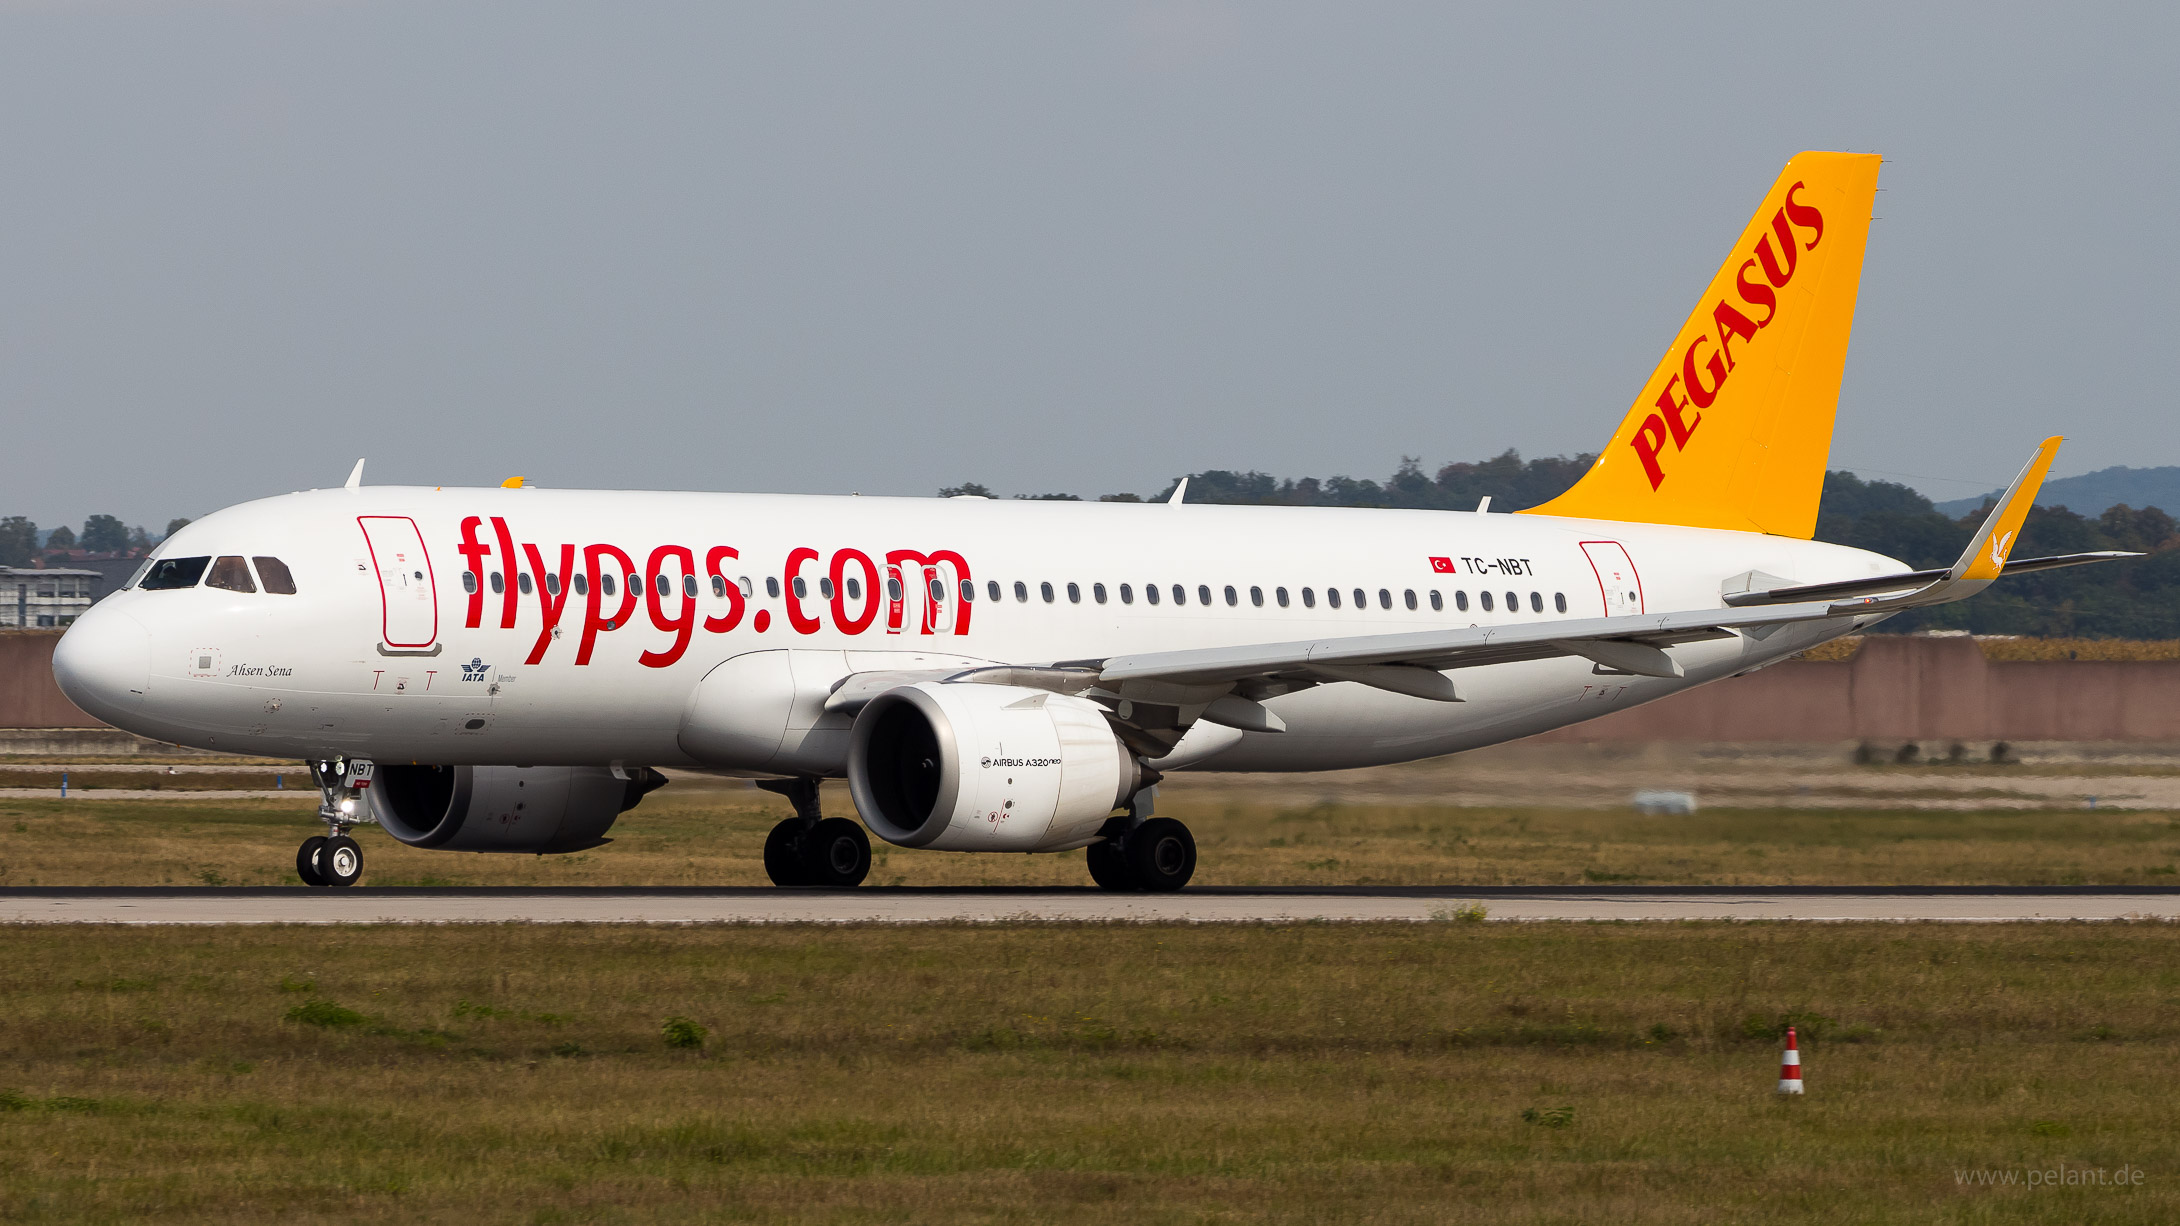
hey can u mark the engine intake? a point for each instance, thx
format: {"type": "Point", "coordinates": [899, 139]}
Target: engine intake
{"type": "Point", "coordinates": [969, 767]}
{"type": "Point", "coordinates": [537, 809]}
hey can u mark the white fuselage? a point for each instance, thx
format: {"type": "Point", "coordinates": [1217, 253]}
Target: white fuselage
{"type": "Point", "coordinates": [383, 652]}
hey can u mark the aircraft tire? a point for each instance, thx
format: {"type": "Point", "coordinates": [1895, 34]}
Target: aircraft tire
{"type": "Point", "coordinates": [1109, 866]}
{"type": "Point", "coordinates": [839, 853]}
{"type": "Point", "coordinates": [340, 862]}
{"type": "Point", "coordinates": [306, 860]}
{"type": "Point", "coordinates": [785, 863]}
{"type": "Point", "coordinates": [1161, 854]}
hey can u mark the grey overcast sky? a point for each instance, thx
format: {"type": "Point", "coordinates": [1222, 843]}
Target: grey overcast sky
{"type": "Point", "coordinates": [1048, 247]}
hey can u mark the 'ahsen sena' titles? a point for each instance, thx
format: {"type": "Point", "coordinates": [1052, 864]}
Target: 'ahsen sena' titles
{"type": "Point", "coordinates": [611, 585]}
{"type": "Point", "coordinates": [1709, 359]}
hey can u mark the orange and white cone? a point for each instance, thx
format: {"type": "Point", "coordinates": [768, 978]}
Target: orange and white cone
{"type": "Point", "coordinates": [1790, 1068]}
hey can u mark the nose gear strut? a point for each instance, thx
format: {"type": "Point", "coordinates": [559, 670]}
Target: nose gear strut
{"type": "Point", "coordinates": [334, 859]}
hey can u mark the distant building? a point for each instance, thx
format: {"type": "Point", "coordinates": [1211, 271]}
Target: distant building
{"type": "Point", "coordinates": [45, 596]}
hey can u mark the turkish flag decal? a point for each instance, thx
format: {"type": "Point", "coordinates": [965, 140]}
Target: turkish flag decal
{"type": "Point", "coordinates": [1442, 566]}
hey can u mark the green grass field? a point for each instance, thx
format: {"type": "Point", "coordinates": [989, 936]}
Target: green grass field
{"type": "Point", "coordinates": [714, 836]}
{"type": "Point", "coordinates": [1137, 1074]}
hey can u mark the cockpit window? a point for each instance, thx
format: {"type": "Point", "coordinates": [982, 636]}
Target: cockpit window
{"type": "Point", "coordinates": [273, 573]}
{"type": "Point", "coordinates": [174, 572]}
{"type": "Point", "coordinates": [229, 573]}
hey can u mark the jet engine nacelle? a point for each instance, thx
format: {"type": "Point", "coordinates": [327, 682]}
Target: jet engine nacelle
{"type": "Point", "coordinates": [968, 767]}
{"type": "Point", "coordinates": [538, 809]}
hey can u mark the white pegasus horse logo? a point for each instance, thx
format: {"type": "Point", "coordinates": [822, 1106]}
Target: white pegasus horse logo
{"type": "Point", "coordinates": [1998, 548]}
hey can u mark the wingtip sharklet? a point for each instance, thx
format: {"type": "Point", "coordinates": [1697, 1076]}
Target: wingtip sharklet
{"type": "Point", "coordinates": [1985, 558]}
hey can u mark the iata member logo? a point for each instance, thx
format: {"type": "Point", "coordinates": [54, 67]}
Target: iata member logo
{"type": "Point", "coordinates": [1442, 566]}
{"type": "Point", "coordinates": [476, 669]}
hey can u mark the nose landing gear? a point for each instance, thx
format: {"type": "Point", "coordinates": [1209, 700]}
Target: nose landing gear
{"type": "Point", "coordinates": [334, 859]}
{"type": "Point", "coordinates": [810, 848]}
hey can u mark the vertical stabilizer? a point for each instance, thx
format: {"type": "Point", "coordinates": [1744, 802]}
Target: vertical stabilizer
{"type": "Point", "coordinates": [1734, 426]}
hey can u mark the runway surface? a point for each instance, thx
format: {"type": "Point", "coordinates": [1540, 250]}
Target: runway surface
{"type": "Point", "coordinates": [1229, 904]}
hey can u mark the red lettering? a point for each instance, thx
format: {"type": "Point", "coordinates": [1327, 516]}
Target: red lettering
{"type": "Point", "coordinates": [1648, 441]}
{"type": "Point", "coordinates": [1731, 323]}
{"type": "Point", "coordinates": [474, 552]}
{"type": "Point", "coordinates": [735, 604]}
{"type": "Point", "coordinates": [656, 589]}
{"type": "Point", "coordinates": [592, 623]}
{"type": "Point", "coordinates": [801, 621]}
{"type": "Point", "coordinates": [1772, 272]}
{"type": "Point", "coordinates": [862, 621]}
{"type": "Point", "coordinates": [1804, 215]}
{"type": "Point", "coordinates": [507, 583]}
{"type": "Point", "coordinates": [549, 603]}
{"type": "Point", "coordinates": [1672, 408]}
{"type": "Point", "coordinates": [1756, 293]}
{"type": "Point", "coordinates": [1699, 395]}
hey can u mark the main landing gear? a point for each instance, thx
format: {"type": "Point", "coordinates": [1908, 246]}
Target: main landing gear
{"type": "Point", "coordinates": [1141, 852]}
{"type": "Point", "coordinates": [810, 848]}
{"type": "Point", "coordinates": [332, 858]}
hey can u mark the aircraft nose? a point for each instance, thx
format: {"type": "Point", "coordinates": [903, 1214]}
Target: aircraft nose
{"type": "Point", "coordinates": [103, 663]}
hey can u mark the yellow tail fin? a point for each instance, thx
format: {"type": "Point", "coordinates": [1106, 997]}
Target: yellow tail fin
{"type": "Point", "coordinates": [1735, 425]}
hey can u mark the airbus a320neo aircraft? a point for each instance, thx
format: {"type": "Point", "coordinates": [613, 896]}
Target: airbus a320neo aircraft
{"type": "Point", "coordinates": [501, 669]}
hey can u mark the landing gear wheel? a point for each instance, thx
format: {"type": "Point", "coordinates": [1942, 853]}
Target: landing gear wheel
{"type": "Point", "coordinates": [340, 861]}
{"type": "Point", "coordinates": [306, 860]}
{"type": "Point", "coordinates": [785, 862]}
{"type": "Point", "coordinates": [1109, 866]}
{"type": "Point", "coordinates": [1162, 854]}
{"type": "Point", "coordinates": [838, 853]}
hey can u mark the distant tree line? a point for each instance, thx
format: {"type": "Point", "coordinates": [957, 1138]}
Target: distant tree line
{"type": "Point", "coordinates": [2137, 599]}
{"type": "Point", "coordinates": [20, 540]}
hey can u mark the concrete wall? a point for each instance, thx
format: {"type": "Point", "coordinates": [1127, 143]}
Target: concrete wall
{"type": "Point", "coordinates": [1899, 688]}
{"type": "Point", "coordinates": [28, 697]}
{"type": "Point", "coordinates": [1894, 689]}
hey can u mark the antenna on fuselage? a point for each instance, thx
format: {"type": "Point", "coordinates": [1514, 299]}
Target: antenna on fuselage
{"type": "Point", "coordinates": [1483, 505]}
{"type": "Point", "coordinates": [1178, 490]}
{"type": "Point", "coordinates": [355, 477]}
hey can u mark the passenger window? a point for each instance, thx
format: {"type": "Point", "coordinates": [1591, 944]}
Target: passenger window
{"type": "Point", "coordinates": [991, 588]}
{"type": "Point", "coordinates": [1203, 594]}
{"type": "Point", "coordinates": [1409, 597]}
{"type": "Point", "coordinates": [499, 585]}
{"type": "Point", "coordinates": [1256, 597]}
{"type": "Point", "coordinates": [802, 590]}
{"type": "Point", "coordinates": [1332, 597]}
{"type": "Point", "coordinates": [605, 585]}
{"type": "Point", "coordinates": [688, 586]}
{"type": "Point", "coordinates": [1536, 602]}
{"type": "Point", "coordinates": [552, 585]}
{"type": "Point", "coordinates": [938, 590]}
{"type": "Point", "coordinates": [1309, 599]}
{"type": "Point", "coordinates": [825, 588]}
{"type": "Point", "coordinates": [1021, 591]}
{"type": "Point", "coordinates": [748, 589]}
{"type": "Point", "coordinates": [469, 580]}
{"type": "Point", "coordinates": [1150, 592]}
{"type": "Point", "coordinates": [635, 584]}
{"type": "Point", "coordinates": [1361, 601]}
{"type": "Point", "coordinates": [1045, 590]}
{"type": "Point", "coordinates": [1127, 594]}
{"type": "Point", "coordinates": [772, 588]}
{"type": "Point", "coordinates": [1559, 601]}
{"type": "Point", "coordinates": [1460, 601]}
{"type": "Point", "coordinates": [1385, 599]}
{"type": "Point", "coordinates": [1180, 594]}
{"type": "Point", "coordinates": [1484, 598]}
{"type": "Point", "coordinates": [893, 589]}
{"type": "Point", "coordinates": [1280, 594]}
{"type": "Point", "coordinates": [230, 574]}
{"type": "Point", "coordinates": [522, 581]}
{"type": "Point", "coordinates": [1438, 602]}
{"type": "Point", "coordinates": [168, 573]}
{"type": "Point", "coordinates": [273, 576]}
{"type": "Point", "coordinates": [582, 586]}
{"type": "Point", "coordinates": [1074, 593]}
{"type": "Point", "coordinates": [968, 591]}
{"type": "Point", "coordinates": [1097, 592]}
{"type": "Point", "coordinates": [1513, 602]}
{"type": "Point", "coordinates": [719, 586]}
{"type": "Point", "coordinates": [1232, 599]}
